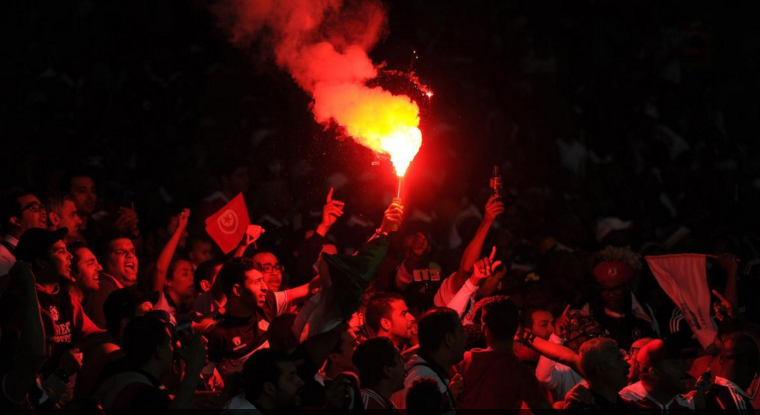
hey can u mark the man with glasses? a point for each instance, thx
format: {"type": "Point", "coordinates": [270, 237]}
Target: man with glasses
{"type": "Point", "coordinates": [632, 358]}
{"type": "Point", "coordinates": [21, 211]}
{"type": "Point", "coordinates": [268, 265]}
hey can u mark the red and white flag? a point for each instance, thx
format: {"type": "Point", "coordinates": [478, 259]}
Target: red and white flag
{"type": "Point", "coordinates": [684, 279]}
{"type": "Point", "coordinates": [228, 226]}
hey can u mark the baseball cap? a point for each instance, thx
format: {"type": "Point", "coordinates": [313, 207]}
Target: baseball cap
{"type": "Point", "coordinates": [614, 272]}
{"type": "Point", "coordinates": [35, 243]}
{"type": "Point", "coordinates": [607, 225]}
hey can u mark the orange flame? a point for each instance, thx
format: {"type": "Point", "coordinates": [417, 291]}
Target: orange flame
{"type": "Point", "coordinates": [383, 122]}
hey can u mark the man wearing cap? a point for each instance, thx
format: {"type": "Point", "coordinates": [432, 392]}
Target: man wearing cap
{"type": "Point", "coordinates": [616, 308]}
{"type": "Point", "coordinates": [51, 264]}
{"type": "Point", "coordinates": [663, 376]}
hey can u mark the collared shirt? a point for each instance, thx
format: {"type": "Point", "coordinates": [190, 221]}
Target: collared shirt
{"type": "Point", "coordinates": [7, 258]}
{"type": "Point", "coordinates": [727, 395]}
{"type": "Point", "coordinates": [646, 403]}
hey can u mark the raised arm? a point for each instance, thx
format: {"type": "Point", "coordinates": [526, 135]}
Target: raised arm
{"type": "Point", "coordinates": [19, 380]}
{"type": "Point", "coordinates": [299, 293]}
{"type": "Point", "coordinates": [551, 350]}
{"type": "Point", "coordinates": [167, 253]}
{"type": "Point", "coordinates": [494, 208]}
{"type": "Point", "coordinates": [252, 234]}
{"type": "Point", "coordinates": [310, 250]}
{"type": "Point", "coordinates": [482, 270]}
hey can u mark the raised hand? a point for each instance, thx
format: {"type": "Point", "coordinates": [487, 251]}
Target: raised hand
{"type": "Point", "coordinates": [183, 218]}
{"type": "Point", "coordinates": [392, 218]}
{"type": "Point", "coordinates": [724, 309]}
{"type": "Point", "coordinates": [484, 268]}
{"type": "Point", "coordinates": [494, 208]}
{"type": "Point", "coordinates": [332, 210]}
{"type": "Point", "coordinates": [252, 234]}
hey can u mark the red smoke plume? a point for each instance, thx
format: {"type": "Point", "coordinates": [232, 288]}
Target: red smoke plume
{"type": "Point", "coordinates": [323, 44]}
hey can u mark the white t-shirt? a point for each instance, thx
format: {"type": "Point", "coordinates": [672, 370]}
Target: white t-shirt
{"type": "Point", "coordinates": [558, 378]}
{"type": "Point", "coordinates": [462, 301]}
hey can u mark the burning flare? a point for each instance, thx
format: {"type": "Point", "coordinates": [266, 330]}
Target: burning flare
{"type": "Point", "coordinates": [375, 118]}
{"type": "Point", "coordinates": [323, 44]}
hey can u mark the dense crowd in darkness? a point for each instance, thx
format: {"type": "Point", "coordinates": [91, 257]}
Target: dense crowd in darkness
{"type": "Point", "coordinates": [619, 133]}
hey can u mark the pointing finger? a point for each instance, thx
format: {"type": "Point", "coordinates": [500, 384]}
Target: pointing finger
{"type": "Point", "coordinates": [329, 195]}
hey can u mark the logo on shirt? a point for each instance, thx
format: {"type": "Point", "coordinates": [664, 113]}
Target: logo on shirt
{"type": "Point", "coordinates": [54, 314]}
{"type": "Point", "coordinates": [228, 222]}
{"type": "Point", "coordinates": [263, 325]}
{"type": "Point", "coordinates": [238, 343]}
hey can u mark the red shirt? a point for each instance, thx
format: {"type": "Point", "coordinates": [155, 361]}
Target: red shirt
{"type": "Point", "coordinates": [495, 379]}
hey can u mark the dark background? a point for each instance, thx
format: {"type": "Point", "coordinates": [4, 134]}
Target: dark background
{"type": "Point", "coordinates": [152, 95]}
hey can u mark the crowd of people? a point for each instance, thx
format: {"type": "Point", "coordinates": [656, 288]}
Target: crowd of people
{"type": "Point", "coordinates": [97, 314]}
{"type": "Point", "coordinates": [619, 133]}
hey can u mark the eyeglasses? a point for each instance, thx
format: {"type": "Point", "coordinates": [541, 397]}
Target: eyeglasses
{"type": "Point", "coordinates": [269, 268]}
{"type": "Point", "coordinates": [34, 208]}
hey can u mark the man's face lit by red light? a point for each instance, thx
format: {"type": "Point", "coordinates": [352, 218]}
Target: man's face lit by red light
{"type": "Point", "coordinates": [272, 270]}
{"type": "Point", "coordinates": [67, 217]}
{"type": "Point", "coordinates": [86, 270]}
{"type": "Point", "coordinates": [543, 326]}
{"type": "Point", "coordinates": [33, 214]}
{"type": "Point", "coordinates": [84, 194]}
{"type": "Point", "coordinates": [613, 295]}
{"type": "Point", "coordinates": [122, 262]}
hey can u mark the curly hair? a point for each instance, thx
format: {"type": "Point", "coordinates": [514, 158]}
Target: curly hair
{"type": "Point", "coordinates": [620, 254]}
